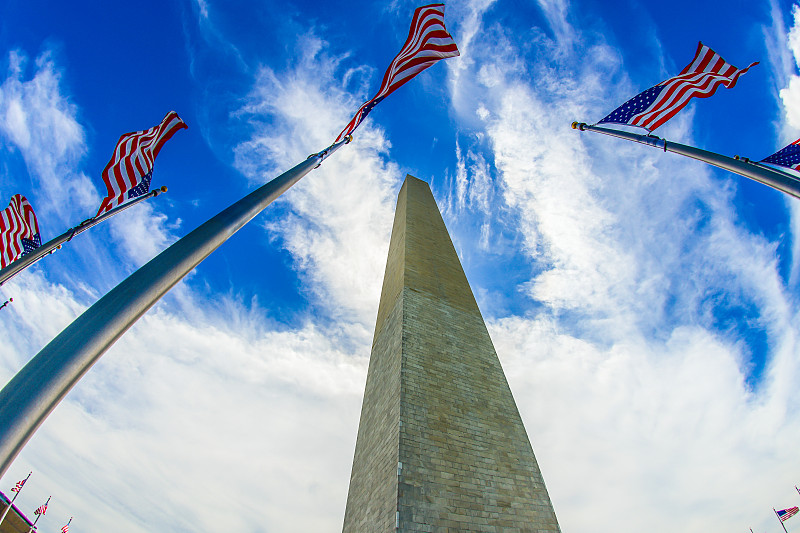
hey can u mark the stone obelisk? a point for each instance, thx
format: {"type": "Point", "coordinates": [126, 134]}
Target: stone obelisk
{"type": "Point", "coordinates": [441, 446]}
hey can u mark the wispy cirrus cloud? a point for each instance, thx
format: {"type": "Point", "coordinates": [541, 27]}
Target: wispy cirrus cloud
{"type": "Point", "coordinates": [40, 122]}
{"type": "Point", "coordinates": [784, 54]}
{"type": "Point", "coordinates": [204, 423]}
{"type": "Point", "coordinates": [207, 415]}
{"type": "Point", "coordinates": [339, 216]}
{"type": "Point", "coordinates": [231, 420]}
{"type": "Point", "coordinates": [637, 257]}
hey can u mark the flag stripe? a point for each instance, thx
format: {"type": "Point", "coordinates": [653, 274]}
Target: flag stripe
{"type": "Point", "coordinates": [134, 156]}
{"type": "Point", "coordinates": [17, 222]}
{"type": "Point", "coordinates": [676, 97]}
{"type": "Point", "coordinates": [18, 486]}
{"type": "Point", "coordinates": [427, 43]}
{"type": "Point", "coordinates": [699, 79]}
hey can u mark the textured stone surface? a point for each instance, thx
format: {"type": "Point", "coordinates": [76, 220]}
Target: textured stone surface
{"type": "Point", "coordinates": [441, 446]}
{"type": "Point", "coordinates": [13, 523]}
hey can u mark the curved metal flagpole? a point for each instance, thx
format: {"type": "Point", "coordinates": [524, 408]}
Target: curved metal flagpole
{"type": "Point", "coordinates": [36, 389]}
{"type": "Point", "coordinates": [774, 178]}
{"type": "Point", "coordinates": [50, 246]}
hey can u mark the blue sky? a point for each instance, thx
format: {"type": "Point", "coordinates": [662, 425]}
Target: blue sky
{"type": "Point", "coordinates": [644, 306]}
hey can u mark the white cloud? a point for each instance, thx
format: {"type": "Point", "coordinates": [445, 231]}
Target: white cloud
{"type": "Point", "coordinates": [633, 395]}
{"type": "Point", "coordinates": [141, 232]}
{"type": "Point", "coordinates": [340, 214]}
{"type": "Point", "coordinates": [40, 122]}
{"type": "Point", "coordinates": [206, 426]}
{"type": "Point", "coordinates": [655, 435]}
{"type": "Point", "coordinates": [209, 417]}
{"type": "Point", "coordinates": [784, 55]}
{"type": "Point", "coordinates": [791, 101]}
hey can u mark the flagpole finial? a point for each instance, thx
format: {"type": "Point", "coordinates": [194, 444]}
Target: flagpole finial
{"type": "Point", "coordinates": [348, 139]}
{"type": "Point", "coordinates": [578, 125]}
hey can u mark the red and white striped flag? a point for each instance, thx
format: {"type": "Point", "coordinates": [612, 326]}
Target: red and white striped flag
{"type": "Point", "coordinates": [19, 231]}
{"type": "Point", "coordinates": [65, 529]}
{"type": "Point", "coordinates": [427, 43]}
{"type": "Point", "coordinates": [786, 514]}
{"type": "Point", "coordinates": [701, 78]}
{"type": "Point", "coordinates": [128, 173]}
{"type": "Point", "coordinates": [18, 486]}
{"type": "Point", "coordinates": [42, 509]}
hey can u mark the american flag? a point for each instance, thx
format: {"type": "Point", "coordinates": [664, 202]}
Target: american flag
{"type": "Point", "coordinates": [788, 156]}
{"type": "Point", "coordinates": [786, 514]}
{"type": "Point", "coordinates": [41, 510]}
{"type": "Point", "coordinates": [128, 173]}
{"type": "Point", "coordinates": [653, 107]}
{"type": "Point", "coordinates": [427, 43]}
{"type": "Point", "coordinates": [18, 486]}
{"type": "Point", "coordinates": [65, 529]}
{"type": "Point", "coordinates": [19, 230]}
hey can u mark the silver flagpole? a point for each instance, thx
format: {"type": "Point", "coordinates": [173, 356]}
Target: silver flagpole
{"type": "Point", "coordinates": [776, 179]}
{"type": "Point", "coordinates": [41, 384]}
{"type": "Point", "coordinates": [49, 247]}
{"type": "Point", "coordinates": [11, 503]}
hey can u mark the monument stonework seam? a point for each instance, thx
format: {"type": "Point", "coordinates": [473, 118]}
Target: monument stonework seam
{"type": "Point", "coordinates": [441, 446]}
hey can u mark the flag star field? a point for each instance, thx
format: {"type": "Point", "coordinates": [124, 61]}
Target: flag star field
{"type": "Point", "coordinates": [644, 306]}
{"type": "Point", "coordinates": [634, 106]}
{"type": "Point", "coordinates": [789, 156]}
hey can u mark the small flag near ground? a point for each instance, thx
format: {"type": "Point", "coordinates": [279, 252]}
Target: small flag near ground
{"type": "Point", "coordinates": [19, 230]}
{"type": "Point", "coordinates": [789, 157]}
{"type": "Point", "coordinates": [786, 514]}
{"type": "Point", "coordinates": [128, 173]}
{"type": "Point", "coordinates": [701, 78]}
{"type": "Point", "coordinates": [18, 486]}
{"type": "Point", "coordinates": [427, 43]}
